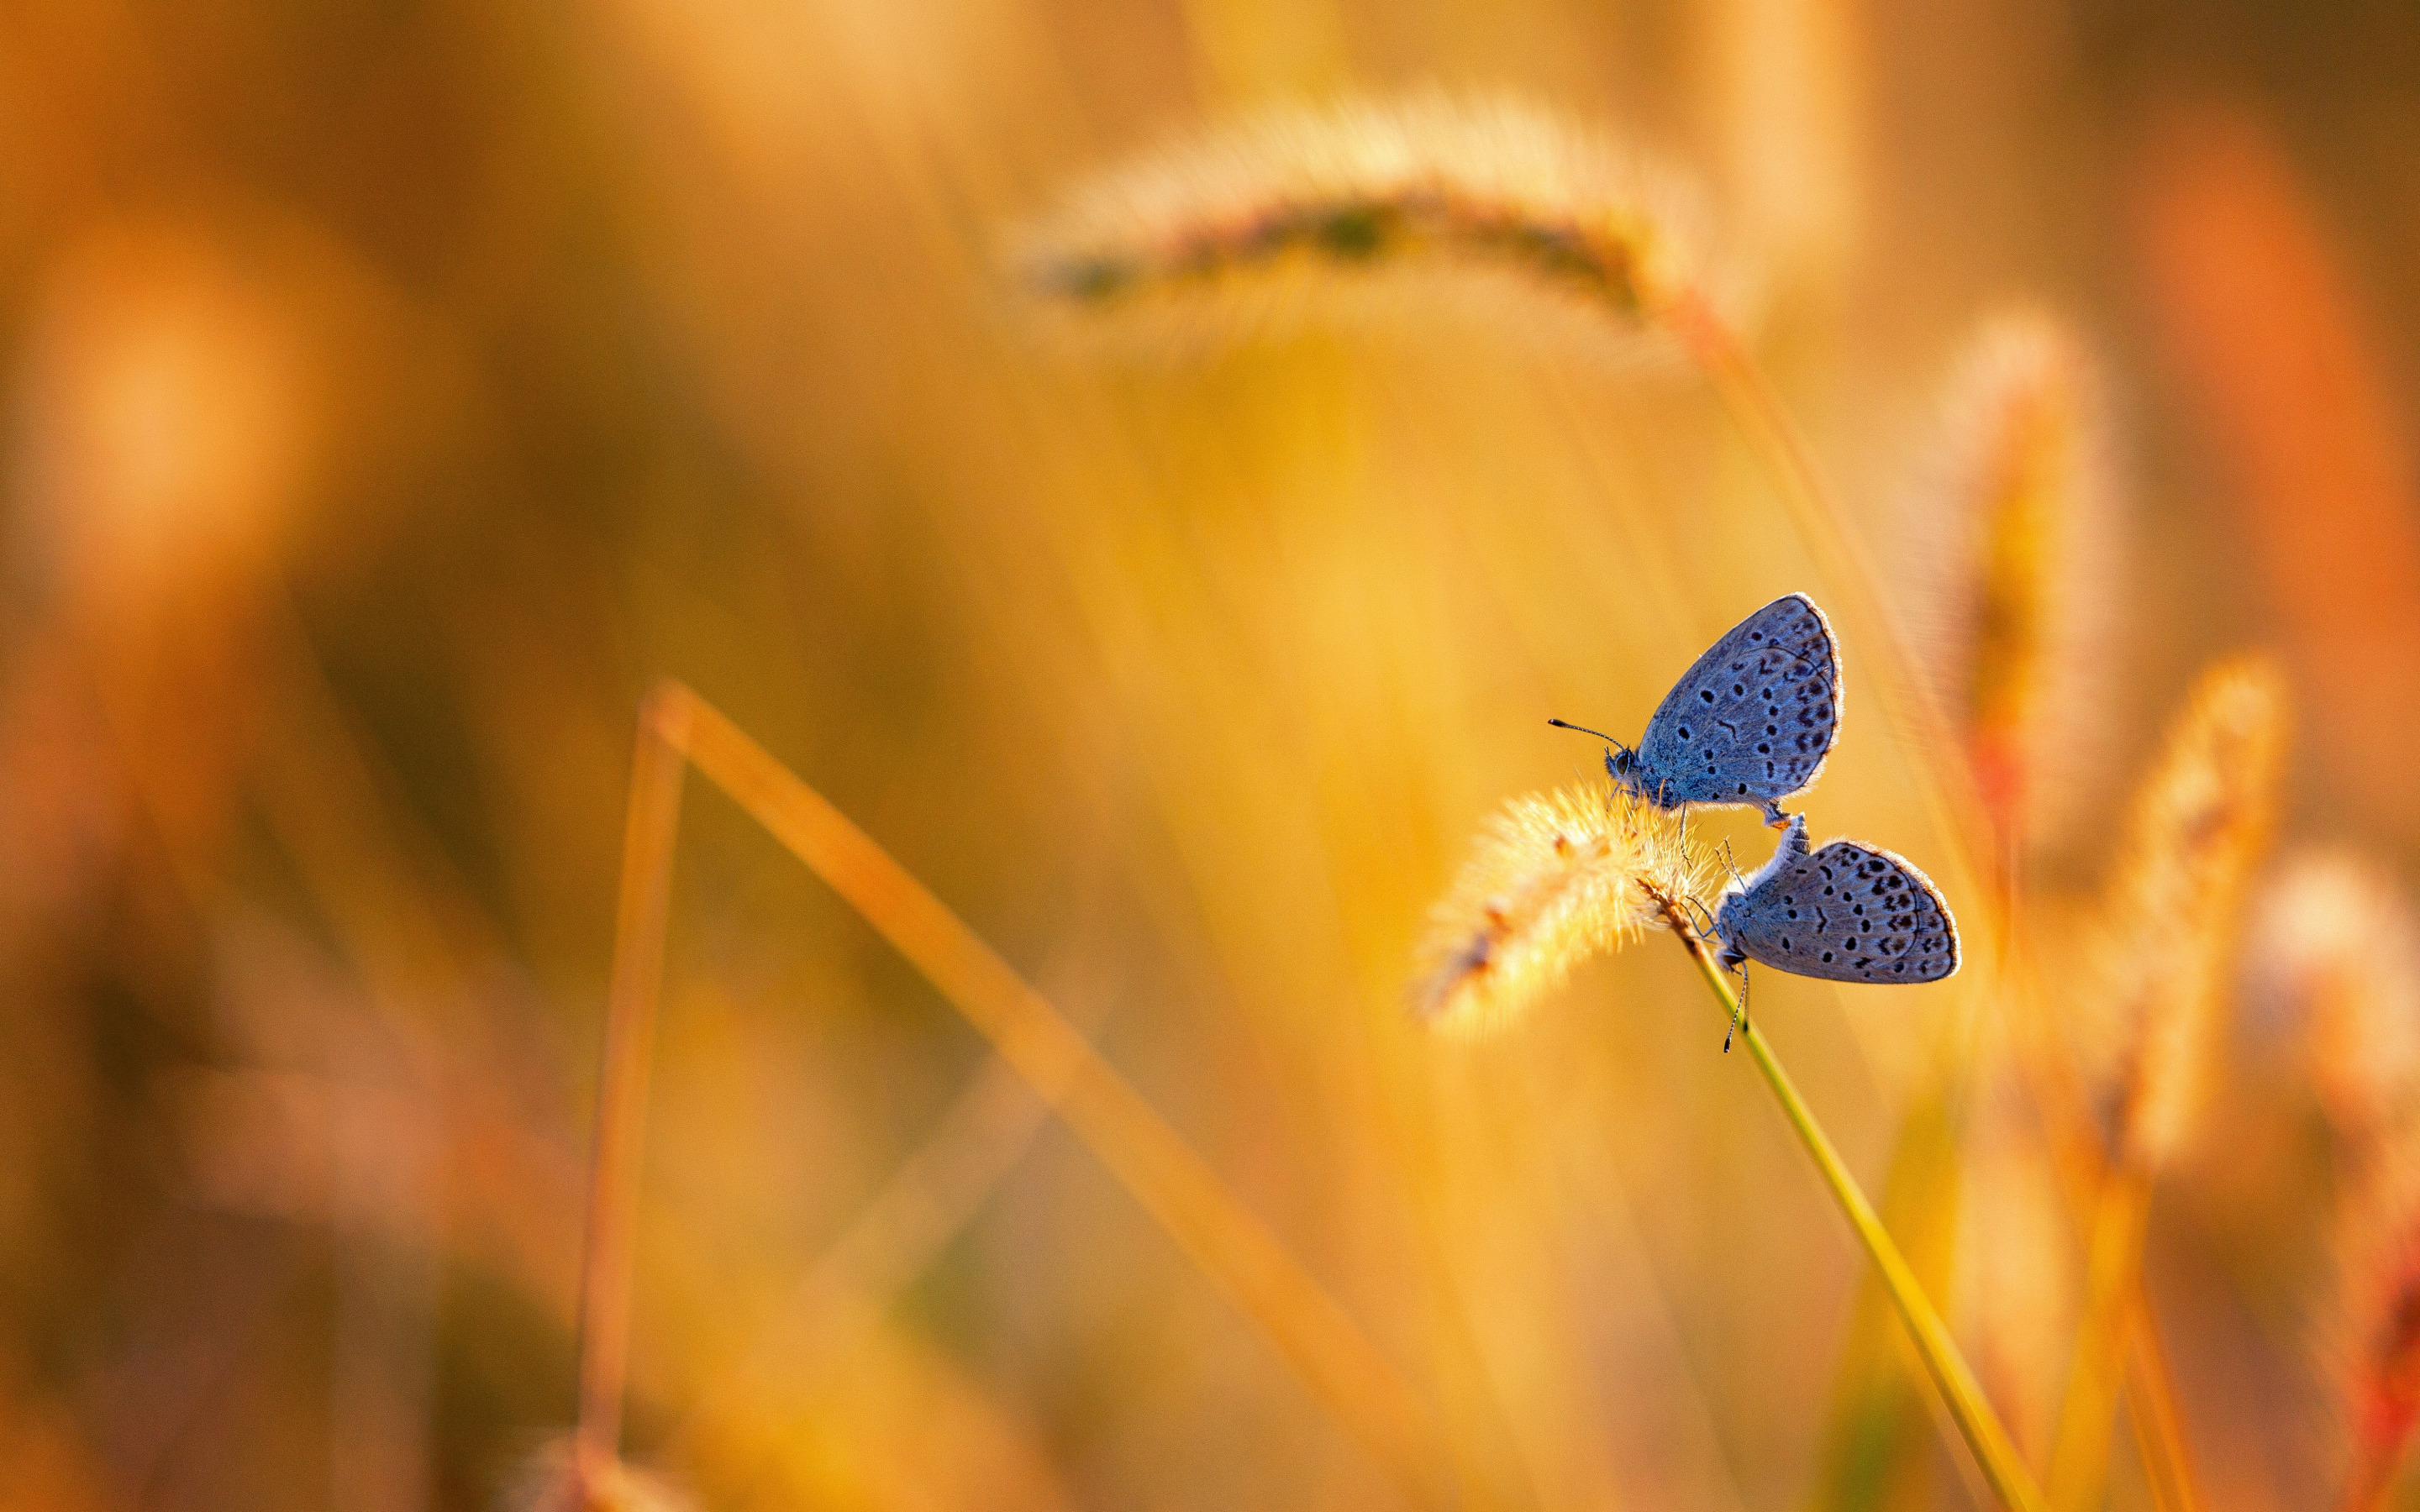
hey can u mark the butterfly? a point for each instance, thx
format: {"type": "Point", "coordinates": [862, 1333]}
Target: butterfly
{"type": "Point", "coordinates": [1750, 722]}
{"type": "Point", "coordinates": [1850, 912]}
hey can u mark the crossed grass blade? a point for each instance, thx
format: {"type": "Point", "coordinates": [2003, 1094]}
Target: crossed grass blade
{"type": "Point", "coordinates": [677, 729]}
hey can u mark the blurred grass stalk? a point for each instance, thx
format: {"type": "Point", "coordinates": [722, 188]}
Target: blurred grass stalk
{"type": "Point", "coordinates": [2198, 827]}
{"type": "Point", "coordinates": [2097, 1195]}
{"type": "Point", "coordinates": [1314, 1335]}
{"type": "Point", "coordinates": [2018, 591]}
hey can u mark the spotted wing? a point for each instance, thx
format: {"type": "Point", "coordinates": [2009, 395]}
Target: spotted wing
{"type": "Point", "coordinates": [1752, 720]}
{"type": "Point", "coordinates": [1847, 912]}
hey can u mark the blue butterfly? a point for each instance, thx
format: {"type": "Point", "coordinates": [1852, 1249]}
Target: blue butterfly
{"type": "Point", "coordinates": [1750, 722]}
{"type": "Point", "coordinates": [1850, 912]}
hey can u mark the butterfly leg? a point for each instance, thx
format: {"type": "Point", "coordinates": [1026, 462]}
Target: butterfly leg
{"type": "Point", "coordinates": [1700, 920]}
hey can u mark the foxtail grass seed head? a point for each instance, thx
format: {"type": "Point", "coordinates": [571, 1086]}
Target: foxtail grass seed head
{"type": "Point", "coordinates": [2374, 1343]}
{"type": "Point", "coordinates": [2198, 829]}
{"type": "Point", "coordinates": [2335, 952]}
{"type": "Point", "coordinates": [1296, 208]}
{"type": "Point", "coordinates": [1556, 877]}
{"type": "Point", "coordinates": [2334, 959]}
{"type": "Point", "coordinates": [548, 1482]}
{"type": "Point", "coordinates": [2016, 547]}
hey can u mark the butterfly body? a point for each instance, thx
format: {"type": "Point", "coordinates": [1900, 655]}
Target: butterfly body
{"type": "Point", "coordinates": [1850, 912]}
{"type": "Point", "coordinates": [1750, 722]}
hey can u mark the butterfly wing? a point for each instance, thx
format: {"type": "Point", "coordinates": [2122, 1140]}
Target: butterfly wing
{"type": "Point", "coordinates": [1754, 718]}
{"type": "Point", "coordinates": [1847, 912]}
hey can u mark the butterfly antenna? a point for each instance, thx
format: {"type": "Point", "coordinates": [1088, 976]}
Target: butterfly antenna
{"type": "Point", "coordinates": [1739, 1019]}
{"type": "Point", "coordinates": [1566, 724]}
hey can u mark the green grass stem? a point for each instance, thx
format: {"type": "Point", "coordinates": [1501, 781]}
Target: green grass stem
{"type": "Point", "coordinates": [1994, 1453]}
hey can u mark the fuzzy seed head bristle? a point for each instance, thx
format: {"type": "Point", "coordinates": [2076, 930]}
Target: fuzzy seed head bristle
{"type": "Point", "coordinates": [2198, 828]}
{"type": "Point", "coordinates": [1555, 878]}
{"type": "Point", "coordinates": [2016, 549]}
{"type": "Point", "coordinates": [2333, 956]}
{"type": "Point", "coordinates": [1294, 210]}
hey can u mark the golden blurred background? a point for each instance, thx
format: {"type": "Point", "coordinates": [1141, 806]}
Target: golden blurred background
{"type": "Point", "coordinates": [394, 391]}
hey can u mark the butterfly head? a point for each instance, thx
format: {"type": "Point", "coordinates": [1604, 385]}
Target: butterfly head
{"type": "Point", "coordinates": [1726, 903]}
{"type": "Point", "coordinates": [1733, 902]}
{"type": "Point", "coordinates": [1621, 761]}
{"type": "Point", "coordinates": [1727, 955]}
